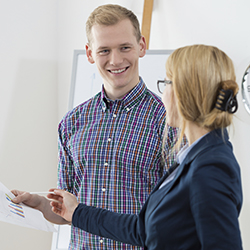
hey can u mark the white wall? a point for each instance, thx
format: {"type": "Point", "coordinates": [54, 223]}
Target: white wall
{"type": "Point", "coordinates": [36, 52]}
{"type": "Point", "coordinates": [28, 107]}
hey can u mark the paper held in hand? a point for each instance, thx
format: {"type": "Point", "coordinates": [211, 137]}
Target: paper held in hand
{"type": "Point", "coordinates": [20, 214]}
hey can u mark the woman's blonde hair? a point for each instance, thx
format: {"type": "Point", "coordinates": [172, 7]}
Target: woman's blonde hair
{"type": "Point", "coordinates": [110, 14]}
{"type": "Point", "coordinates": [198, 74]}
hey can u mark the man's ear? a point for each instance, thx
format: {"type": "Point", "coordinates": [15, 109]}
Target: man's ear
{"type": "Point", "coordinates": [143, 47]}
{"type": "Point", "coordinates": [89, 53]}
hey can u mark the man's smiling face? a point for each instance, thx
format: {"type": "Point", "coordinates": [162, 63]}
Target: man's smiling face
{"type": "Point", "coordinates": [116, 53]}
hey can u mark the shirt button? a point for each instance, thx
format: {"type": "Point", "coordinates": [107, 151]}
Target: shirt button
{"type": "Point", "coordinates": [114, 115]}
{"type": "Point", "coordinates": [127, 109]}
{"type": "Point", "coordinates": [103, 189]}
{"type": "Point", "coordinates": [109, 139]}
{"type": "Point", "coordinates": [101, 240]}
{"type": "Point", "coordinates": [106, 164]}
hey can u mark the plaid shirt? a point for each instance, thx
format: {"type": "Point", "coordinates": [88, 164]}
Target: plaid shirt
{"type": "Point", "coordinates": [110, 156]}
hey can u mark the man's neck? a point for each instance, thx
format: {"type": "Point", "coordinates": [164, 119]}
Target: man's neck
{"type": "Point", "coordinates": [117, 94]}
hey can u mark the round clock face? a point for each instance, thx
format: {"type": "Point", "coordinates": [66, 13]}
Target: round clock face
{"type": "Point", "coordinates": [246, 89]}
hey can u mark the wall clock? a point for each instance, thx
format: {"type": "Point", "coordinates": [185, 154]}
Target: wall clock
{"type": "Point", "coordinates": [246, 89]}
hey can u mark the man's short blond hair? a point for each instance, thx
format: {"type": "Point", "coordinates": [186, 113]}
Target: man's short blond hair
{"type": "Point", "coordinates": [111, 14]}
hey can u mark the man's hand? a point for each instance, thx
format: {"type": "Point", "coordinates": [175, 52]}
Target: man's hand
{"type": "Point", "coordinates": [63, 203]}
{"type": "Point", "coordinates": [31, 200]}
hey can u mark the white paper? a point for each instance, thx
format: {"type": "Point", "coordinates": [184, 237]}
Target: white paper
{"type": "Point", "coordinates": [20, 214]}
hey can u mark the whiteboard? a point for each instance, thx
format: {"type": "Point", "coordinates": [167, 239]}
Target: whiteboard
{"type": "Point", "coordinates": [86, 82]}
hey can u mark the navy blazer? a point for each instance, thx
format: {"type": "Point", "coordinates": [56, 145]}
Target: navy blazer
{"type": "Point", "coordinates": [197, 210]}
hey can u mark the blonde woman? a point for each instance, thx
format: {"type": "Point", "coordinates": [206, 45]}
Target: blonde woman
{"type": "Point", "coordinates": [197, 205]}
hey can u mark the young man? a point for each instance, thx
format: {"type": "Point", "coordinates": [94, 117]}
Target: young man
{"type": "Point", "coordinates": [110, 146]}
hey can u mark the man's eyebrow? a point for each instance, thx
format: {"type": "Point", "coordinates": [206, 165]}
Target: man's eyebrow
{"type": "Point", "coordinates": [102, 48]}
{"type": "Point", "coordinates": [126, 44]}
{"type": "Point", "coordinates": [121, 45]}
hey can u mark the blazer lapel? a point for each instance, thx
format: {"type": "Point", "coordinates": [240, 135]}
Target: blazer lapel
{"type": "Point", "coordinates": [164, 177]}
{"type": "Point", "coordinates": [177, 175]}
{"type": "Point", "coordinates": [158, 194]}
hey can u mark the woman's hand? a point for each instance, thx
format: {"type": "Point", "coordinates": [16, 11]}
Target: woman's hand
{"type": "Point", "coordinates": [63, 203]}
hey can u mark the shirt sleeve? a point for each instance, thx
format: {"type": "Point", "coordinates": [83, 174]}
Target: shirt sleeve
{"type": "Point", "coordinates": [120, 227]}
{"type": "Point", "coordinates": [215, 199]}
{"type": "Point", "coordinates": [65, 162]}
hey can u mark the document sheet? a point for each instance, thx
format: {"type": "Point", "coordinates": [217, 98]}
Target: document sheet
{"type": "Point", "coordinates": [20, 214]}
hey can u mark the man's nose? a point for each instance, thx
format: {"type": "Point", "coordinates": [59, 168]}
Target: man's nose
{"type": "Point", "coordinates": [116, 58]}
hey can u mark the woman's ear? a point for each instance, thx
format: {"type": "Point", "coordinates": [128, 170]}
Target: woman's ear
{"type": "Point", "coordinates": [89, 53]}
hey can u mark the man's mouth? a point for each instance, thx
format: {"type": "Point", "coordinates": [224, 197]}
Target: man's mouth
{"type": "Point", "coordinates": [118, 71]}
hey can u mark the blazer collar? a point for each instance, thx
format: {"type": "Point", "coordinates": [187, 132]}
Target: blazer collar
{"type": "Point", "coordinates": [213, 138]}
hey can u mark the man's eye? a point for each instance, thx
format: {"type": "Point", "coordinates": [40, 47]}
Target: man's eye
{"type": "Point", "coordinates": [105, 51]}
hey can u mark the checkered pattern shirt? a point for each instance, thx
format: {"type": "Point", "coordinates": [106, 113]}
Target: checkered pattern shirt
{"type": "Point", "coordinates": [110, 156]}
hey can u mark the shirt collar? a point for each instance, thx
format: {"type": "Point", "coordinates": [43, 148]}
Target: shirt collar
{"type": "Point", "coordinates": [129, 100]}
{"type": "Point", "coordinates": [185, 150]}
